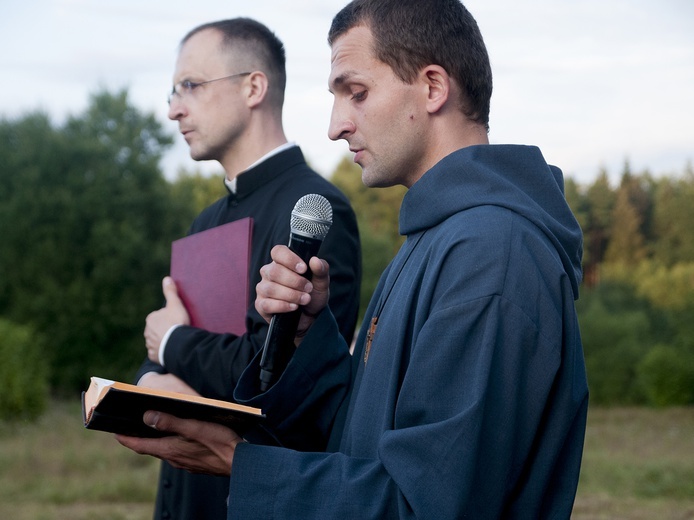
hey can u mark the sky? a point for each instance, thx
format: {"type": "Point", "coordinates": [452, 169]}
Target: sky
{"type": "Point", "coordinates": [594, 83]}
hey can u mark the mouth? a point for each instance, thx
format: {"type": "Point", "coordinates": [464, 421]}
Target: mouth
{"type": "Point", "coordinates": [358, 153]}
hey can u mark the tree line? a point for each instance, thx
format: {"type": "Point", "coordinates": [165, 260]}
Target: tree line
{"type": "Point", "coordinates": [637, 297]}
{"type": "Point", "coordinates": [87, 219]}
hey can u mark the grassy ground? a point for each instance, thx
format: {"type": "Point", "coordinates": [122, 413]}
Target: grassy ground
{"type": "Point", "coordinates": [57, 470]}
{"type": "Point", "coordinates": [638, 464]}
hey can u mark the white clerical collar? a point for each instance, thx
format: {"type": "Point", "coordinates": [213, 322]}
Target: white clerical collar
{"type": "Point", "coordinates": [231, 184]}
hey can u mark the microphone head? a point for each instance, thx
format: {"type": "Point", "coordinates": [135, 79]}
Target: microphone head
{"type": "Point", "coordinates": [312, 216]}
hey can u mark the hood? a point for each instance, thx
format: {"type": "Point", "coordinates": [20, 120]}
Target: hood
{"type": "Point", "coordinates": [514, 177]}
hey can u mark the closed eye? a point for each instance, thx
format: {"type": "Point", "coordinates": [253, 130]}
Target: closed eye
{"type": "Point", "coordinates": [359, 96]}
{"type": "Point", "coordinates": [189, 85]}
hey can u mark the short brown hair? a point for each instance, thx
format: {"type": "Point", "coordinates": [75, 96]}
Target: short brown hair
{"type": "Point", "coordinates": [411, 34]}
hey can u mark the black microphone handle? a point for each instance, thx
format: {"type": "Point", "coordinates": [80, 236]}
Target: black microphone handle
{"type": "Point", "coordinates": [279, 342]}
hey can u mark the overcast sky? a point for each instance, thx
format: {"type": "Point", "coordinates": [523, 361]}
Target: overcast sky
{"type": "Point", "coordinates": [592, 83]}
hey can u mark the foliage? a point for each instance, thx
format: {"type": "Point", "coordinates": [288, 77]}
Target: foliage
{"type": "Point", "coordinates": [673, 217]}
{"type": "Point", "coordinates": [639, 243]}
{"type": "Point", "coordinates": [638, 335]}
{"type": "Point", "coordinates": [667, 375]}
{"type": "Point", "coordinates": [627, 244]}
{"type": "Point", "coordinates": [195, 191]}
{"type": "Point", "coordinates": [87, 219]}
{"type": "Point", "coordinates": [616, 332]}
{"type": "Point", "coordinates": [23, 392]}
{"type": "Point", "coordinates": [596, 206]}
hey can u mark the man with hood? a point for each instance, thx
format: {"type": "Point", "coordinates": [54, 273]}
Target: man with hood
{"type": "Point", "coordinates": [466, 395]}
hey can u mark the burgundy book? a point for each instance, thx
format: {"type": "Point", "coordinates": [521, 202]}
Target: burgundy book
{"type": "Point", "coordinates": [210, 269]}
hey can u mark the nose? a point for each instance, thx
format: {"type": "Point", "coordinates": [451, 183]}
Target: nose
{"type": "Point", "coordinates": [176, 108]}
{"type": "Point", "coordinates": [341, 126]}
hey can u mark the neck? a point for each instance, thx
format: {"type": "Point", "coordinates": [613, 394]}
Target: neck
{"type": "Point", "coordinates": [446, 139]}
{"type": "Point", "coordinates": [257, 140]}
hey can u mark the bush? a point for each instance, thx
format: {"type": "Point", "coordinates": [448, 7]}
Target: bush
{"type": "Point", "coordinates": [667, 375]}
{"type": "Point", "coordinates": [617, 331]}
{"type": "Point", "coordinates": [23, 373]}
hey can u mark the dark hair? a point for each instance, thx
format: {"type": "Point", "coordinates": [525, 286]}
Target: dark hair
{"type": "Point", "coordinates": [253, 42]}
{"type": "Point", "coordinates": [411, 34]}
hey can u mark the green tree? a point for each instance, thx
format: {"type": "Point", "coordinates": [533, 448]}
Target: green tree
{"type": "Point", "coordinates": [24, 392]}
{"type": "Point", "coordinates": [600, 200]}
{"type": "Point", "coordinates": [673, 219]}
{"type": "Point", "coordinates": [578, 202]}
{"type": "Point", "coordinates": [197, 191]}
{"type": "Point", "coordinates": [627, 245]}
{"type": "Point", "coordinates": [87, 220]}
{"type": "Point", "coordinates": [617, 331]}
{"type": "Point", "coordinates": [666, 374]}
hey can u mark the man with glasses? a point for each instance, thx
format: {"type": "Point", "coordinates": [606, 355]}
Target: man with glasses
{"type": "Point", "coordinates": [227, 97]}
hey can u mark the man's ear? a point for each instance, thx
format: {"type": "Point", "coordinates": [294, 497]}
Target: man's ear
{"type": "Point", "coordinates": [257, 88]}
{"type": "Point", "coordinates": [438, 84]}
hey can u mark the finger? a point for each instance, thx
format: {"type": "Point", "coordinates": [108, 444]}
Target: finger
{"type": "Point", "coordinates": [145, 446]}
{"type": "Point", "coordinates": [286, 286]}
{"type": "Point", "coordinates": [280, 275]}
{"type": "Point", "coordinates": [170, 423]}
{"type": "Point", "coordinates": [319, 267]}
{"type": "Point", "coordinates": [170, 291]}
{"type": "Point", "coordinates": [203, 432]}
{"type": "Point", "coordinates": [285, 257]}
{"type": "Point", "coordinates": [275, 299]}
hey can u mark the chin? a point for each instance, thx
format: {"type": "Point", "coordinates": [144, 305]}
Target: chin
{"type": "Point", "coordinates": [373, 180]}
{"type": "Point", "coordinates": [199, 156]}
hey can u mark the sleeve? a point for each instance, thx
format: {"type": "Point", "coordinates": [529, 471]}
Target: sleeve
{"type": "Point", "coordinates": [210, 363]}
{"type": "Point", "coordinates": [468, 424]}
{"type": "Point", "coordinates": [148, 366]}
{"type": "Point", "coordinates": [302, 405]}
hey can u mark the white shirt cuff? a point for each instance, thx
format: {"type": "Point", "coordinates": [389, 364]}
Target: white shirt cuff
{"type": "Point", "coordinates": [164, 340]}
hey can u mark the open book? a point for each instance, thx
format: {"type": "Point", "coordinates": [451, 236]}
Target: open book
{"type": "Point", "coordinates": [116, 407]}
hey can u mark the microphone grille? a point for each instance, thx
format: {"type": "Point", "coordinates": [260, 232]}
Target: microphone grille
{"type": "Point", "coordinates": [312, 216]}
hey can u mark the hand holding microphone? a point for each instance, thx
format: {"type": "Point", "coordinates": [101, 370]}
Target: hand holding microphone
{"type": "Point", "coordinates": [310, 222]}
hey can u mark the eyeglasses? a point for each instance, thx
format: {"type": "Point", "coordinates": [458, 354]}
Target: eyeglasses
{"type": "Point", "coordinates": [186, 87]}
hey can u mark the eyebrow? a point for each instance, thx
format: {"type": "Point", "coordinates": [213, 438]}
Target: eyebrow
{"type": "Point", "coordinates": [341, 79]}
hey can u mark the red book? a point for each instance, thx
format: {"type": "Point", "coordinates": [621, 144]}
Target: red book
{"type": "Point", "coordinates": [210, 269]}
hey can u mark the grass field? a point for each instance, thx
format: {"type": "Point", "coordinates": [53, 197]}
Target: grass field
{"type": "Point", "coordinates": [638, 464]}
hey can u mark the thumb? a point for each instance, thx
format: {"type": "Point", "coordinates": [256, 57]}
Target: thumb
{"type": "Point", "coordinates": [170, 290]}
{"type": "Point", "coordinates": [162, 422]}
{"type": "Point", "coordinates": [321, 273]}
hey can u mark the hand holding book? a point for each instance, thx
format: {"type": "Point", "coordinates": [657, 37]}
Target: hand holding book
{"type": "Point", "coordinates": [196, 446]}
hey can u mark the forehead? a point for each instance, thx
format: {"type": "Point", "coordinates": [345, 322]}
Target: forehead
{"type": "Point", "coordinates": [353, 55]}
{"type": "Point", "coordinates": [201, 53]}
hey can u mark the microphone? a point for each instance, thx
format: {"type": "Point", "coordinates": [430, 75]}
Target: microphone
{"type": "Point", "coordinates": [310, 222]}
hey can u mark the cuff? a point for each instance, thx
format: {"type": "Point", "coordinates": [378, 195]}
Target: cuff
{"type": "Point", "coordinates": [162, 345]}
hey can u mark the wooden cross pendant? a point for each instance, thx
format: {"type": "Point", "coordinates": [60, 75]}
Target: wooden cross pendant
{"type": "Point", "coordinates": [370, 337]}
